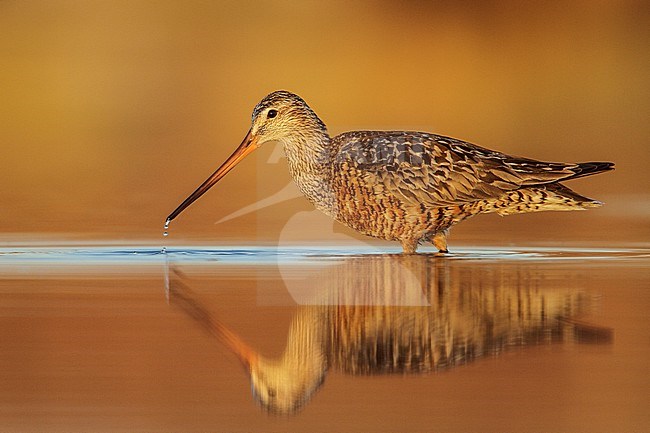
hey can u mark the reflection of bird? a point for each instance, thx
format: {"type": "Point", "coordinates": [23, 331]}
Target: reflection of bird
{"type": "Point", "coordinates": [392, 314]}
{"type": "Point", "coordinates": [409, 187]}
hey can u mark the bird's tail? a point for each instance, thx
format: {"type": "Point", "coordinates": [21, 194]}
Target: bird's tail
{"type": "Point", "coordinates": [588, 168]}
{"type": "Point", "coordinates": [554, 196]}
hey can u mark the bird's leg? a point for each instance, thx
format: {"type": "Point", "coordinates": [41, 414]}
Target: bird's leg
{"type": "Point", "coordinates": [409, 246]}
{"type": "Point", "coordinates": [440, 241]}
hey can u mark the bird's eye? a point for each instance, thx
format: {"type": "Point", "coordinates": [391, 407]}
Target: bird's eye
{"type": "Point", "coordinates": [271, 392]}
{"type": "Point", "coordinates": [271, 114]}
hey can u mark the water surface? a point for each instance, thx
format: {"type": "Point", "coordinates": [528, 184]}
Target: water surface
{"type": "Point", "coordinates": [124, 338]}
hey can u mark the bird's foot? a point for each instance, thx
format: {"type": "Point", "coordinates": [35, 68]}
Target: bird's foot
{"type": "Point", "coordinates": [440, 241]}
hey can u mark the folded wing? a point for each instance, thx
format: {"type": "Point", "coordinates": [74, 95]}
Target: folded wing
{"type": "Point", "coordinates": [434, 170]}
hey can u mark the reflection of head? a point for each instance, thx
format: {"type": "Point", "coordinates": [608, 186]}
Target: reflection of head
{"type": "Point", "coordinates": [283, 385]}
{"type": "Point", "coordinates": [284, 389]}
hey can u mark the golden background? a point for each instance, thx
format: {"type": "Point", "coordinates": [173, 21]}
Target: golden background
{"type": "Point", "coordinates": [114, 111]}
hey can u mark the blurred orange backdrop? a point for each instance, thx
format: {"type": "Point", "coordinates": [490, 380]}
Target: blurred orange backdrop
{"type": "Point", "coordinates": [113, 112]}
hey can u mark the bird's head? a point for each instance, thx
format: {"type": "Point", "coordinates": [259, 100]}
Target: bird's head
{"type": "Point", "coordinates": [280, 116]}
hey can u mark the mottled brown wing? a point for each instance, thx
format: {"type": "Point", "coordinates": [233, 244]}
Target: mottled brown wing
{"type": "Point", "coordinates": [435, 170]}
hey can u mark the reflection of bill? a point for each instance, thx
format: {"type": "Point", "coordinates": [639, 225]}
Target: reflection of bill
{"type": "Point", "coordinates": [396, 314]}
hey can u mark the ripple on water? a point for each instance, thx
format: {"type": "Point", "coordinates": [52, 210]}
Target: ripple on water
{"type": "Point", "coordinates": [260, 256]}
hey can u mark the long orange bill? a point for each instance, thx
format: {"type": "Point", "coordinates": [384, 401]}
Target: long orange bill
{"type": "Point", "coordinates": [247, 146]}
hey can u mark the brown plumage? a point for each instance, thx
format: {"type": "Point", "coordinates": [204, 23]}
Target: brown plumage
{"type": "Point", "coordinates": [405, 186]}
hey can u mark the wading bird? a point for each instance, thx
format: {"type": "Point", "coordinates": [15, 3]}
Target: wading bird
{"type": "Point", "coordinates": [401, 186]}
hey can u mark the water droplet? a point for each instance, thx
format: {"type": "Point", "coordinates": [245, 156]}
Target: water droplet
{"type": "Point", "coordinates": [167, 223]}
{"type": "Point", "coordinates": [165, 233]}
{"type": "Point", "coordinates": [164, 250]}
